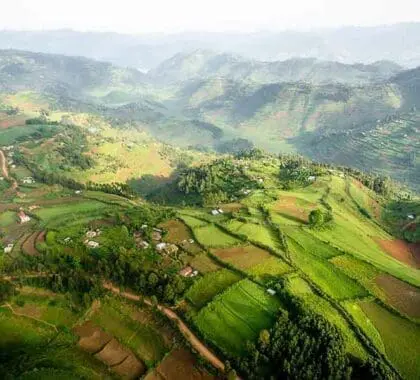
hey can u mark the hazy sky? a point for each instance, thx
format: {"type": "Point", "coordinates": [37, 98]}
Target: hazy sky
{"type": "Point", "coordinates": [138, 16]}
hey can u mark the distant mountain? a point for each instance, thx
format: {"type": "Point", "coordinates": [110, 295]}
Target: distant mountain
{"type": "Point", "coordinates": [22, 70]}
{"type": "Point", "coordinates": [399, 43]}
{"type": "Point", "coordinates": [409, 83]}
{"type": "Point", "coordinates": [207, 64]}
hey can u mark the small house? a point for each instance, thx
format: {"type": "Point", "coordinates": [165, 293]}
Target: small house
{"type": "Point", "coordinates": [28, 180]}
{"type": "Point", "coordinates": [214, 212]}
{"type": "Point", "coordinates": [91, 234]}
{"type": "Point", "coordinates": [33, 207]}
{"type": "Point", "coordinates": [171, 249]}
{"type": "Point", "coordinates": [186, 272]}
{"type": "Point", "coordinates": [270, 291]}
{"type": "Point", "coordinates": [411, 216]}
{"type": "Point", "coordinates": [157, 230]}
{"type": "Point", "coordinates": [156, 236]}
{"type": "Point", "coordinates": [23, 217]}
{"type": "Point", "coordinates": [8, 248]}
{"type": "Point", "coordinates": [311, 178]}
{"type": "Point", "coordinates": [67, 239]}
{"type": "Point", "coordinates": [144, 226]}
{"type": "Point", "coordinates": [78, 192]}
{"type": "Point", "coordinates": [92, 244]}
{"type": "Point", "coordinates": [191, 241]}
{"type": "Point", "coordinates": [160, 247]}
{"type": "Point", "coordinates": [194, 273]}
{"type": "Point", "coordinates": [143, 244]}
{"type": "Point", "coordinates": [260, 180]}
{"type": "Point", "coordinates": [220, 210]}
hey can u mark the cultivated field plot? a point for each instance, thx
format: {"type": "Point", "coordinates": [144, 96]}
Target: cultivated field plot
{"type": "Point", "coordinates": [120, 320]}
{"type": "Point", "coordinates": [399, 336]}
{"type": "Point", "coordinates": [237, 316]}
{"type": "Point", "coordinates": [270, 268]}
{"type": "Point", "coordinates": [207, 287]}
{"type": "Point", "coordinates": [178, 233]}
{"type": "Point", "coordinates": [243, 256]}
{"type": "Point", "coordinates": [213, 237]}
{"type": "Point", "coordinates": [304, 238]}
{"type": "Point", "coordinates": [192, 222]}
{"type": "Point", "coordinates": [179, 364]}
{"type": "Point", "coordinates": [360, 244]}
{"type": "Point", "coordinates": [330, 279]}
{"type": "Point", "coordinates": [400, 250]}
{"type": "Point", "coordinates": [298, 286]}
{"type": "Point", "coordinates": [293, 209]}
{"type": "Point", "coordinates": [204, 264]}
{"type": "Point", "coordinates": [362, 272]}
{"type": "Point", "coordinates": [254, 232]}
{"type": "Point", "coordinates": [403, 297]}
{"type": "Point", "coordinates": [66, 211]}
{"type": "Point", "coordinates": [354, 309]}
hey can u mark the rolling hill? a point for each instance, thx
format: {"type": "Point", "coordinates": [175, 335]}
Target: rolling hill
{"type": "Point", "coordinates": [202, 64]}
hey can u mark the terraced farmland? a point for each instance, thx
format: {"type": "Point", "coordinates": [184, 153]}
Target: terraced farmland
{"type": "Point", "coordinates": [237, 316]}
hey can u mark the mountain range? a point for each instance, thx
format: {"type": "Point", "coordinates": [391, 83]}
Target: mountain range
{"type": "Point", "coordinates": [209, 100]}
{"type": "Point", "coordinates": [399, 43]}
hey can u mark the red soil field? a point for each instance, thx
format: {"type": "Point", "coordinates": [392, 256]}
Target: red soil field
{"type": "Point", "coordinates": [402, 296]}
{"type": "Point", "coordinates": [402, 251]}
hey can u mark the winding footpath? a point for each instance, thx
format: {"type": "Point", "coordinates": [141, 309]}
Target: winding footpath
{"type": "Point", "coordinates": [5, 171]}
{"type": "Point", "coordinates": [188, 334]}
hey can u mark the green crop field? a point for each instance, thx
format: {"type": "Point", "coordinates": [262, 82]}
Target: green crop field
{"type": "Point", "coordinates": [399, 336]}
{"type": "Point", "coordinates": [365, 324]}
{"type": "Point", "coordinates": [213, 237]}
{"type": "Point", "coordinates": [255, 232]}
{"type": "Point", "coordinates": [361, 271]}
{"type": "Point", "coordinates": [237, 316]}
{"type": "Point", "coordinates": [272, 267]}
{"type": "Point", "coordinates": [310, 243]}
{"type": "Point", "coordinates": [330, 279]}
{"type": "Point", "coordinates": [191, 221]}
{"type": "Point", "coordinates": [7, 218]}
{"type": "Point", "coordinates": [69, 210]}
{"type": "Point", "coordinates": [207, 287]}
{"type": "Point", "coordinates": [298, 286]}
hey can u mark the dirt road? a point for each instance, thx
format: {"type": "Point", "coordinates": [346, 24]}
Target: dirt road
{"type": "Point", "coordinates": [188, 334]}
{"type": "Point", "coordinates": [4, 170]}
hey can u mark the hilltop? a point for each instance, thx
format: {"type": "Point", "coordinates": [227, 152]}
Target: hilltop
{"type": "Point", "coordinates": [207, 64]}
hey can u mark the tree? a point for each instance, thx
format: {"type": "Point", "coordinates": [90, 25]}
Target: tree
{"type": "Point", "coordinates": [316, 218]}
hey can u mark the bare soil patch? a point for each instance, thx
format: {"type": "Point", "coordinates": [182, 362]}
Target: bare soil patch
{"type": "Point", "coordinates": [113, 353]}
{"type": "Point", "coordinates": [41, 237]}
{"type": "Point", "coordinates": [402, 251]}
{"type": "Point", "coordinates": [29, 310]}
{"type": "Point", "coordinates": [402, 296]}
{"type": "Point", "coordinates": [181, 364]}
{"type": "Point", "coordinates": [297, 209]}
{"type": "Point", "coordinates": [243, 257]}
{"type": "Point", "coordinates": [92, 338]}
{"type": "Point", "coordinates": [130, 368]}
{"type": "Point", "coordinates": [28, 245]}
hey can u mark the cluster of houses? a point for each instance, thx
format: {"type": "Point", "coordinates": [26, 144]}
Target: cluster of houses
{"type": "Point", "coordinates": [91, 234]}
